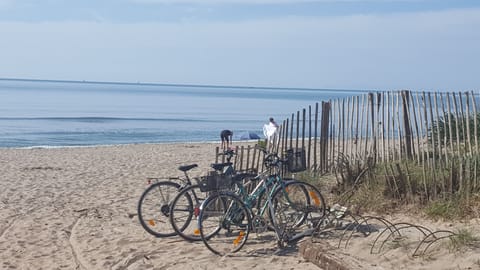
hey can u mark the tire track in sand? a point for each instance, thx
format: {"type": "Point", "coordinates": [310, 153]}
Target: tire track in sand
{"type": "Point", "coordinates": [70, 231]}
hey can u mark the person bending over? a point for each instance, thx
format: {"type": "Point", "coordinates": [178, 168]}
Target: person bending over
{"type": "Point", "coordinates": [226, 136]}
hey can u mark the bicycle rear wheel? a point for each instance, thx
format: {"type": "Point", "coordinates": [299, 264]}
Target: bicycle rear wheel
{"type": "Point", "coordinates": [184, 212]}
{"type": "Point", "coordinates": [154, 208]}
{"type": "Point", "coordinates": [298, 207]}
{"type": "Point", "coordinates": [224, 223]}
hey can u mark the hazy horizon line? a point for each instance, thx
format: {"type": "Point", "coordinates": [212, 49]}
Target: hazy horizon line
{"type": "Point", "coordinates": [183, 85]}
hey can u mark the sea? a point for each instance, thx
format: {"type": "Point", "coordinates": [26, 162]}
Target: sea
{"type": "Point", "coordinates": [51, 113]}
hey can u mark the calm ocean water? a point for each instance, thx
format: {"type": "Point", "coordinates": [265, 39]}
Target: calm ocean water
{"type": "Point", "coordinates": [53, 114]}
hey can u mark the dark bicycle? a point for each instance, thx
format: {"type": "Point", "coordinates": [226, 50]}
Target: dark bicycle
{"type": "Point", "coordinates": [294, 209]}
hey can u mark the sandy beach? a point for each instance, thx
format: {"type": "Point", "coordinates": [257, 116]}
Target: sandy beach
{"type": "Point", "coordinates": [75, 208]}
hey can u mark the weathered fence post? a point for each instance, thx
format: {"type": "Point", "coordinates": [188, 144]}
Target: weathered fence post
{"type": "Point", "coordinates": [315, 164]}
{"type": "Point", "coordinates": [324, 125]}
{"type": "Point", "coordinates": [406, 123]}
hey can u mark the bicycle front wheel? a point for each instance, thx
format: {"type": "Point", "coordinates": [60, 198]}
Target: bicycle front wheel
{"type": "Point", "coordinates": [184, 212]}
{"type": "Point", "coordinates": [224, 223]}
{"type": "Point", "coordinates": [154, 208]}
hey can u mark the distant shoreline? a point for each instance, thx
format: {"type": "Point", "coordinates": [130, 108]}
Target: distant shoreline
{"type": "Point", "coordinates": [123, 145]}
{"type": "Point", "coordinates": [104, 145]}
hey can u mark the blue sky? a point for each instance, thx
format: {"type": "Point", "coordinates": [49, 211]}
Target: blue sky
{"type": "Point", "coordinates": [339, 44]}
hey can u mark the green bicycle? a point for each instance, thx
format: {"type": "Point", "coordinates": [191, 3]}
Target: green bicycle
{"type": "Point", "coordinates": [294, 209]}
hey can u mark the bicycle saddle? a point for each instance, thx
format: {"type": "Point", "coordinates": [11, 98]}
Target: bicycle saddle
{"type": "Point", "coordinates": [220, 166]}
{"type": "Point", "coordinates": [187, 167]}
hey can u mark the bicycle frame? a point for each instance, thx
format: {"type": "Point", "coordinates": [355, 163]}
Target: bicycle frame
{"type": "Point", "coordinates": [267, 185]}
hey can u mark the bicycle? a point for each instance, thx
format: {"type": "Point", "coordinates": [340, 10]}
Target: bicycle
{"type": "Point", "coordinates": [154, 205]}
{"type": "Point", "coordinates": [185, 207]}
{"type": "Point", "coordinates": [294, 209]}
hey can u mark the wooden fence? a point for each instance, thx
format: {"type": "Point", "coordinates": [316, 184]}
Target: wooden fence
{"type": "Point", "coordinates": [247, 158]}
{"type": "Point", "coordinates": [437, 131]}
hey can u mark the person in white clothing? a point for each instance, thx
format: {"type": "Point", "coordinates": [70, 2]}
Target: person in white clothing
{"type": "Point", "coordinates": [270, 130]}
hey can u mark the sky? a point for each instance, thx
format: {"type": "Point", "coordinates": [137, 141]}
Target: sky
{"type": "Point", "coordinates": [327, 44]}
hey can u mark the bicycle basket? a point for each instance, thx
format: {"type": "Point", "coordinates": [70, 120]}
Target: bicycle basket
{"type": "Point", "coordinates": [214, 181]}
{"type": "Point", "coordinates": [296, 160]}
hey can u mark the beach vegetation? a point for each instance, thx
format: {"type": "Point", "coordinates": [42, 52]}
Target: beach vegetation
{"type": "Point", "coordinates": [306, 176]}
{"type": "Point", "coordinates": [350, 172]}
{"type": "Point", "coordinates": [457, 207]}
{"type": "Point", "coordinates": [262, 144]}
{"type": "Point", "coordinates": [464, 238]}
{"type": "Point", "coordinates": [392, 186]}
{"type": "Point", "coordinates": [443, 209]}
{"type": "Point", "coordinates": [446, 128]}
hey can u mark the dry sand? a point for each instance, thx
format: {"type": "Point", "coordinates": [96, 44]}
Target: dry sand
{"type": "Point", "coordinates": [75, 208]}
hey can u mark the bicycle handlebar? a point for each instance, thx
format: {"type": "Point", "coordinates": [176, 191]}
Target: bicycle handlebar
{"type": "Point", "coordinates": [229, 153]}
{"type": "Point", "coordinates": [271, 159]}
